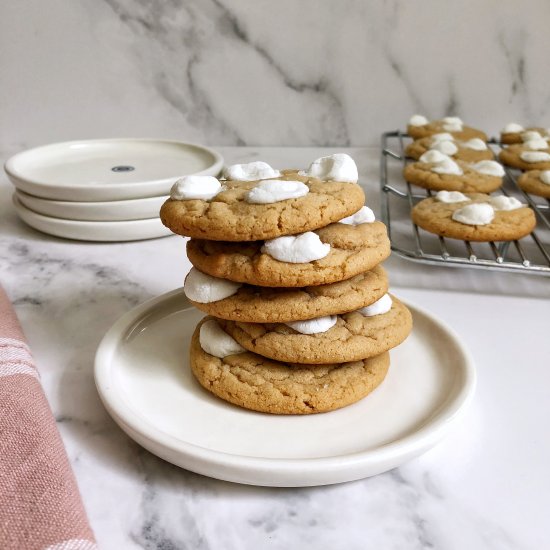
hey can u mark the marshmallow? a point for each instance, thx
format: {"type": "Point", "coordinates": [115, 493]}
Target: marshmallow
{"type": "Point", "coordinates": [204, 288]}
{"type": "Point", "coordinates": [534, 156]}
{"type": "Point", "coordinates": [364, 215]}
{"type": "Point", "coordinates": [314, 326]}
{"type": "Point", "coordinates": [297, 249]}
{"type": "Point", "coordinates": [502, 202]}
{"type": "Point", "coordinates": [544, 176]}
{"type": "Point", "coordinates": [383, 305]}
{"type": "Point", "coordinates": [447, 166]}
{"type": "Point", "coordinates": [337, 167]}
{"type": "Point", "coordinates": [252, 171]}
{"type": "Point", "coordinates": [269, 191]}
{"type": "Point", "coordinates": [215, 341]}
{"type": "Point", "coordinates": [418, 120]}
{"type": "Point", "coordinates": [443, 136]}
{"type": "Point", "coordinates": [479, 213]}
{"type": "Point", "coordinates": [488, 167]}
{"type": "Point", "coordinates": [195, 187]}
{"type": "Point", "coordinates": [450, 197]}
{"type": "Point", "coordinates": [477, 144]}
{"type": "Point", "coordinates": [452, 124]}
{"type": "Point", "coordinates": [512, 128]}
{"type": "Point", "coordinates": [433, 156]}
{"type": "Point", "coordinates": [530, 135]}
{"type": "Point", "coordinates": [536, 144]}
{"type": "Point", "coordinates": [445, 147]}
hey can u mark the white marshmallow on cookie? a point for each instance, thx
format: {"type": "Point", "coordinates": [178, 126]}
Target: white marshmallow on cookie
{"type": "Point", "coordinates": [270, 191]}
{"type": "Point", "coordinates": [337, 167]}
{"type": "Point", "coordinates": [418, 120]}
{"type": "Point", "coordinates": [450, 197]}
{"type": "Point", "coordinates": [381, 306]}
{"type": "Point", "coordinates": [215, 341]}
{"type": "Point", "coordinates": [536, 144]}
{"type": "Point", "coordinates": [502, 202]}
{"type": "Point", "coordinates": [513, 128]}
{"type": "Point", "coordinates": [544, 176]}
{"type": "Point", "coordinates": [476, 144]}
{"type": "Point", "coordinates": [204, 289]}
{"type": "Point", "coordinates": [452, 124]}
{"type": "Point", "coordinates": [445, 147]}
{"type": "Point", "coordinates": [534, 156]}
{"type": "Point", "coordinates": [314, 326]}
{"type": "Point", "coordinates": [297, 249]}
{"type": "Point", "coordinates": [195, 187]}
{"type": "Point", "coordinates": [364, 215]}
{"type": "Point", "coordinates": [489, 168]}
{"type": "Point", "coordinates": [252, 171]}
{"type": "Point", "coordinates": [479, 213]}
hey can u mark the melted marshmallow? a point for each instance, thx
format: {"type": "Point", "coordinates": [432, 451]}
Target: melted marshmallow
{"type": "Point", "coordinates": [337, 167]}
{"type": "Point", "coordinates": [252, 171]}
{"type": "Point", "coordinates": [447, 166]}
{"type": "Point", "coordinates": [270, 191]}
{"type": "Point", "coordinates": [433, 156]}
{"type": "Point", "coordinates": [530, 135]}
{"type": "Point", "coordinates": [297, 249]}
{"type": "Point", "coordinates": [450, 197]}
{"type": "Point", "coordinates": [445, 147]}
{"type": "Point", "coordinates": [314, 326]}
{"type": "Point", "coordinates": [476, 144]}
{"type": "Point", "coordinates": [505, 203]}
{"type": "Point", "coordinates": [488, 167]}
{"type": "Point", "coordinates": [195, 187]}
{"type": "Point", "coordinates": [418, 120]}
{"type": "Point", "coordinates": [512, 128]}
{"type": "Point", "coordinates": [205, 289]}
{"type": "Point", "coordinates": [479, 213]}
{"type": "Point", "coordinates": [443, 136]}
{"type": "Point", "coordinates": [544, 176]}
{"type": "Point", "coordinates": [534, 156]}
{"type": "Point", "coordinates": [215, 341]}
{"type": "Point", "coordinates": [383, 305]}
{"type": "Point", "coordinates": [364, 215]}
{"type": "Point", "coordinates": [452, 124]}
{"type": "Point", "coordinates": [536, 144]}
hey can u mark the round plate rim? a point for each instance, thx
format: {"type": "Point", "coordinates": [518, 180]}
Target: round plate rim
{"type": "Point", "coordinates": [407, 446]}
{"type": "Point", "coordinates": [125, 191]}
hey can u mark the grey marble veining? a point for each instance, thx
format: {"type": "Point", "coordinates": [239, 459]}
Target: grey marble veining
{"type": "Point", "coordinates": [257, 73]}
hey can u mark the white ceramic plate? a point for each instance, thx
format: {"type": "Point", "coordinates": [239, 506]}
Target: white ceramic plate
{"type": "Point", "coordinates": [144, 380]}
{"type": "Point", "coordinates": [110, 211]}
{"type": "Point", "coordinates": [108, 169]}
{"type": "Point", "coordinates": [135, 230]}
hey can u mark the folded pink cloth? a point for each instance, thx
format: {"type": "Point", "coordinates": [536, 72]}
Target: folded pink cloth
{"type": "Point", "coordinates": [40, 506]}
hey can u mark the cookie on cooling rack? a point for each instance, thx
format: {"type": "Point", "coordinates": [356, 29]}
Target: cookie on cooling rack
{"type": "Point", "coordinates": [420, 127]}
{"type": "Point", "coordinates": [536, 182]}
{"type": "Point", "coordinates": [472, 150]}
{"type": "Point", "coordinates": [253, 382]}
{"type": "Point", "coordinates": [440, 172]}
{"type": "Point", "coordinates": [530, 155]}
{"type": "Point", "coordinates": [516, 133]}
{"type": "Point", "coordinates": [474, 217]}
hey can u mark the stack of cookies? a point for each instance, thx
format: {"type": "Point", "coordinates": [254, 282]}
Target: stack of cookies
{"type": "Point", "coordinates": [454, 161]}
{"type": "Point", "coordinates": [287, 267]}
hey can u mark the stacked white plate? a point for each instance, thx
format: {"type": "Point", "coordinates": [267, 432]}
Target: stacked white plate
{"type": "Point", "coordinates": [104, 189]}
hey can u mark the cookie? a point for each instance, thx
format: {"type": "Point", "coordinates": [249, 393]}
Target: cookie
{"type": "Point", "coordinates": [420, 127]}
{"type": "Point", "coordinates": [228, 216]}
{"type": "Point", "coordinates": [506, 225]}
{"type": "Point", "coordinates": [470, 181]}
{"type": "Point", "coordinates": [459, 150]}
{"type": "Point", "coordinates": [525, 158]}
{"type": "Point", "coordinates": [536, 182]}
{"type": "Point", "coordinates": [353, 250]}
{"type": "Point", "coordinates": [263, 385]}
{"type": "Point", "coordinates": [353, 337]}
{"type": "Point", "coordinates": [255, 304]}
{"type": "Point", "coordinates": [514, 133]}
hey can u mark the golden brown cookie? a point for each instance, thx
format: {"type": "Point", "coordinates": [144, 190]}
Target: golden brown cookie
{"type": "Point", "coordinates": [438, 127]}
{"type": "Point", "coordinates": [509, 138]}
{"type": "Point", "coordinates": [354, 250]}
{"type": "Point", "coordinates": [352, 338]}
{"type": "Point", "coordinates": [511, 156]}
{"type": "Point", "coordinates": [228, 217]}
{"type": "Point", "coordinates": [531, 183]}
{"type": "Point", "coordinates": [256, 304]}
{"type": "Point", "coordinates": [418, 147]}
{"type": "Point", "coordinates": [263, 385]}
{"type": "Point", "coordinates": [471, 181]}
{"type": "Point", "coordinates": [507, 225]}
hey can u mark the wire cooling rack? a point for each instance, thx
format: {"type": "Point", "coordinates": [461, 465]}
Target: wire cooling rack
{"type": "Point", "coordinates": [528, 255]}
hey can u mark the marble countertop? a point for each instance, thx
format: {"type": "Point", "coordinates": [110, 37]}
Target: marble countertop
{"type": "Point", "coordinates": [487, 485]}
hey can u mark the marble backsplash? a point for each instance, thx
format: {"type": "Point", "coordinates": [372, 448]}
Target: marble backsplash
{"type": "Point", "coordinates": [292, 72]}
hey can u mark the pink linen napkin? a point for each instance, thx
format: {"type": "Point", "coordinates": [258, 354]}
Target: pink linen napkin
{"type": "Point", "coordinates": [40, 506]}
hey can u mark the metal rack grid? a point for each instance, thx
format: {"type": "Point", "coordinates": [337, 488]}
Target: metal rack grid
{"type": "Point", "coordinates": [528, 255]}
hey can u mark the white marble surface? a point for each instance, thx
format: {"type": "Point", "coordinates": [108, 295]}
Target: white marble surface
{"type": "Point", "coordinates": [294, 72]}
{"type": "Point", "coordinates": [484, 487]}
